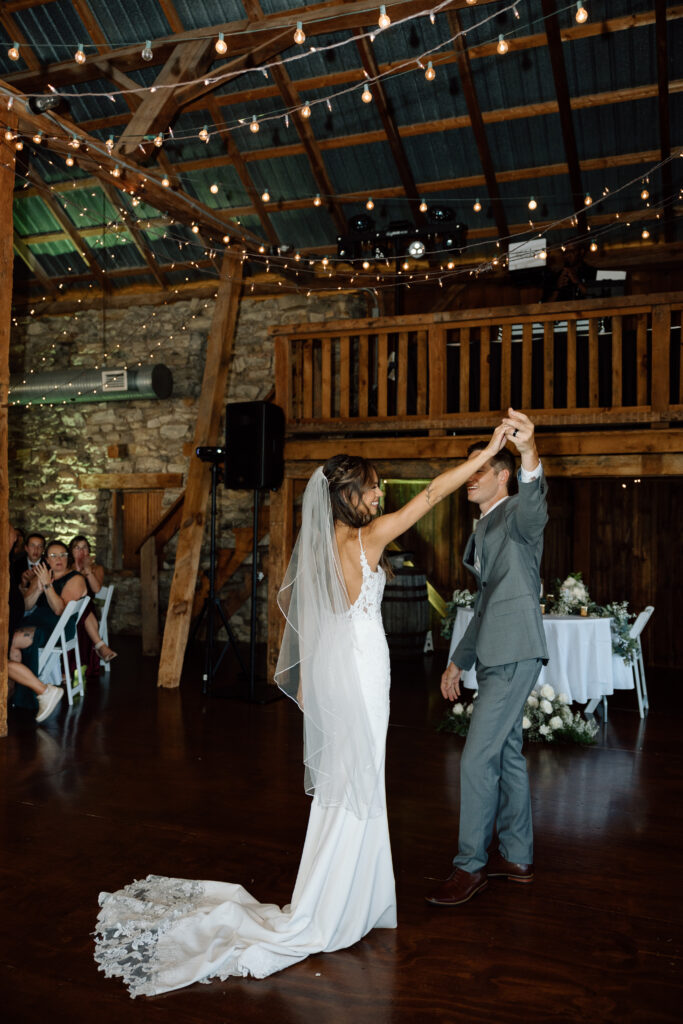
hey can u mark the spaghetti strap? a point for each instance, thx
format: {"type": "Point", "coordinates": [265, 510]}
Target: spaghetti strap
{"type": "Point", "coordinates": [360, 541]}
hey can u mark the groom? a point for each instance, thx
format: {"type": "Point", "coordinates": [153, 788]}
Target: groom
{"type": "Point", "coordinates": [506, 640]}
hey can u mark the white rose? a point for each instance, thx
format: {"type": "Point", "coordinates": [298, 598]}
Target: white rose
{"type": "Point", "coordinates": [532, 700]}
{"type": "Point", "coordinates": [526, 724]}
{"type": "Point", "coordinates": [457, 709]}
{"type": "Point", "coordinates": [555, 722]}
{"type": "Point", "coordinates": [470, 709]}
{"type": "Point", "coordinates": [546, 707]}
{"type": "Point", "coordinates": [547, 691]}
{"type": "Point", "coordinates": [564, 699]}
{"type": "Point", "coordinates": [544, 730]}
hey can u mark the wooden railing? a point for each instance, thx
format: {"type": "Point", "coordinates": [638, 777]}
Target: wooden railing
{"type": "Point", "coordinates": [593, 362]}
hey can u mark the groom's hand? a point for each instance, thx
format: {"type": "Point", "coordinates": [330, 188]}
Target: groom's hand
{"type": "Point", "coordinates": [450, 682]}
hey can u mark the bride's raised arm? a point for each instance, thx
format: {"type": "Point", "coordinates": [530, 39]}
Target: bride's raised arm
{"type": "Point", "coordinates": [384, 529]}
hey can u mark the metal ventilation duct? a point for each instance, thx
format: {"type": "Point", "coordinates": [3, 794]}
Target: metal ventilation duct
{"type": "Point", "coordinates": [80, 385]}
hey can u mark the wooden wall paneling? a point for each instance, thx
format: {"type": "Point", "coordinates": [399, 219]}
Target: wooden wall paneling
{"type": "Point", "coordinates": [582, 525]}
{"type": "Point", "coordinates": [571, 364]}
{"type": "Point", "coordinates": [402, 375]}
{"type": "Point", "coordinates": [617, 356]}
{"type": "Point", "coordinates": [641, 359]}
{"type": "Point", "coordinates": [279, 552]}
{"type": "Point", "coordinates": [307, 378]}
{"type": "Point", "coordinates": [344, 375]}
{"type": "Point", "coordinates": [464, 390]}
{"type": "Point", "coordinates": [661, 345]}
{"type": "Point", "coordinates": [506, 366]}
{"type": "Point", "coordinates": [422, 373]}
{"type": "Point", "coordinates": [527, 331]}
{"type": "Point", "coordinates": [326, 378]}
{"type": "Point", "coordinates": [484, 368]}
{"type": "Point", "coordinates": [548, 363]}
{"type": "Point", "coordinates": [382, 373]}
{"type": "Point", "coordinates": [363, 374]}
{"type": "Point", "coordinates": [593, 363]}
{"type": "Point", "coordinates": [297, 379]}
{"type": "Point", "coordinates": [283, 375]}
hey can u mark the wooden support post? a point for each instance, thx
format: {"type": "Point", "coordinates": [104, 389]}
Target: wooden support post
{"type": "Point", "coordinates": [6, 261]}
{"type": "Point", "coordinates": [661, 335]}
{"type": "Point", "coordinates": [149, 592]}
{"type": "Point", "coordinates": [280, 549]}
{"type": "Point", "coordinates": [219, 349]}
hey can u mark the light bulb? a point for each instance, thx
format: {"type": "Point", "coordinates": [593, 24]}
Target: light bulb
{"type": "Point", "coordinates": [384, 21]}
{"type": "Point", "coordinates": [317, 201]}
{"type": "Point", "coordinates": [38, 138]}
{"type": "Point", "coordinates": [226, 239]}
{"type": "Point", "coordinates": [645, 233]}
{"type": "Point", "coordinates": [261, 248]}
{"type": "Point", "coordinates": [645, 194]}
{"type": "Point", "coordinates": [18, 145]}
{"type": "Point", "coordinates": [502, 46]}
{"type": "Point", "coordinates": [254, 126]}
{"type": "Point", "coordinates": [213, 189]}
{"type": "Point", "coordinates": [581, 13]}
{"type": "Point", "coordinates": [136, 201]}
{"type": "Point", "coordinates": [430, 73]}
{"type": "Point", "coordinates": [587, 200]}
{"type": "Point", "coordinates": [146, 52]}
{"type": "Point", "coordinates": [477, 206]}
{"type": "Point", "coordinates": [159, 140]}
{"type": "Point", "coordinates": [593, 247]}
{"type": "Point", "coordinates": [75, 143]}
{"type": "Point", "coordinates": [542, 254]}
{"type": "Point", "coordinates": [325, 261]}
{"type": "Point", "coordinates": [9, 135]}
{"type": "Point", "coordinates": [69, 161]}
{"type": "Point", "coordinates": [532, 204]}
{"type": "Point", "coordinates": [366, 265]}
{"type": "Point", "coordinates": [305, 110]}
{"type": "Point", "coordinates": [79, 55]}
{"type": "Point", "coordinates": [116, 172]}
{"type": "Point", "coordinates": [265, 196]}
{"type": "Point", "coordinates": [423, 206]}
{"type": "Point", "coordinates": [299, 34]}
{"type": "Point", "coordinates": [195, 229]}
{"type": "Point", "coordinates": [471, 3]}
{"type": "Point", "coordinates": [450, 264]}
{"type": "Point", "coordinates": [204, 134]}
{"type": "Point", "coordinates": [109, 144]}
{"type": "Point", "coordinates": [221, 45]}
{"type": "Point", "coordinates": [297, 256]}
{"type": "Point", "coordinates": [366, 95]}
{"type": "Point", "coordinates": [370, 205]}
{"type": "Point", "coordinates": [13, 52]}
{"type": "Point", "coordinates": [165, 182]}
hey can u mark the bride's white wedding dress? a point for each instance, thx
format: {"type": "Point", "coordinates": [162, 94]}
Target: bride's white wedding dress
{"type": "Point", "coordinates": [164, 933]}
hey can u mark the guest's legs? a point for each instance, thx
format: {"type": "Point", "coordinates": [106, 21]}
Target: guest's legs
{"type": "Point", "coordinates": [22, 639]}
{"type": "Point", "coordinates": [91, 628]}
{"type": "Point", "coordinates": [19, 673]}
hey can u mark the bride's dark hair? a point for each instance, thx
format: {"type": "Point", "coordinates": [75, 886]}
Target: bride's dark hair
{"type": "Point", "coordinates": [348, 476]}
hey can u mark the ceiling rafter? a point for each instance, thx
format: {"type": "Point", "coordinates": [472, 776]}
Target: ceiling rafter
{"type": "Point", "coordinates": [477, 124]}
{"type": "Point", "coordinates": [135, 233]}
{"type": "Point", "coordinates": [16, 35]}
{"type": "Point", "coordinates": [23, 251]}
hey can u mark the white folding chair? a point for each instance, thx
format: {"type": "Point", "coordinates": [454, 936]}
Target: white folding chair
{"type": "Point", "coordinates": [103, 600]}
{"type": "Point", "coordinates": [53, 658]}
{"type": "Point", "coordinates": [637, 666]}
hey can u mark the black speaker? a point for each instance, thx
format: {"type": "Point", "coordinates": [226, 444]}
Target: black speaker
{"type": "Point", "coordinates": [254, 445]}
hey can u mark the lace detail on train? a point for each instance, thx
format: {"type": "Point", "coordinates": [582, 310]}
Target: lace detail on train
{"type": "Point", "coordinates": [368, 604]}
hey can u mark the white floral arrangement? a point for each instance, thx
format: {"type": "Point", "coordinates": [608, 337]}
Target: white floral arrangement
{"type": "Point", "coordinates": [573, 596]}
{"type": "Point", "coordinates": [547, 718]}
{"type": "Point", "coordinates": [460, 599]}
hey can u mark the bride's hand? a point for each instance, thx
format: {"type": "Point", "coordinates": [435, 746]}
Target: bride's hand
{"type": "Point", "coordinates": [498, 439]}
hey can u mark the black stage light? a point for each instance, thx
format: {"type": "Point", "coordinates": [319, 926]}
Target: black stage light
{"type": "Point", "coordinates": [39, 104]}
{"type": "Point", "coordinates": [440, 214]}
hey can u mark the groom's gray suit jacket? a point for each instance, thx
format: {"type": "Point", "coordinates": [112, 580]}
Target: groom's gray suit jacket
{"type": "Point", "coordinates": [507, 625]}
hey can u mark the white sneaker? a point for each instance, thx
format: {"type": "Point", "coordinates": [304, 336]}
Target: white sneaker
{"type": "Point", "coordinates": [48, 701]}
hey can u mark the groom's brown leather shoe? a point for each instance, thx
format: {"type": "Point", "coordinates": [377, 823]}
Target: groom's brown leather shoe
{"type": "Point", "coordinates": [459, 887]}
{"type": "Point", "coordinates": [498, 867]}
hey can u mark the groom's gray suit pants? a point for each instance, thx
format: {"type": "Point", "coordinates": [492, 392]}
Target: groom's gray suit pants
{"type": "Point", "coordinates": [494, 786]}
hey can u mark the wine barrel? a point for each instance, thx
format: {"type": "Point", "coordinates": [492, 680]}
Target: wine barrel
{"type": "Point", "coordinates": [405, 610]}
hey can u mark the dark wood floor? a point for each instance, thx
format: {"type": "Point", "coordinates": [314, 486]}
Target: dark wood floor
{"type": "Point", "coordinates": [136, 781]}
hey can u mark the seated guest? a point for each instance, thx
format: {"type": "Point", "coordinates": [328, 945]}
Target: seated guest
{"type": "Point", "coordinates": [93, 574]}
{"type": "Point", "coordinates": [48, 696]}
{"type": "Point", "coordinates": [23, 567]}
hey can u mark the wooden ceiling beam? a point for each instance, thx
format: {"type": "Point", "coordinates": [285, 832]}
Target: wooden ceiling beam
{"type": "Point", "coordinates": [22, 250]}
{"type": "Point", "coordinates": [17, 36]}
{"type": "Point", "coordinates": [552, 31]}
{"type": "Point", "coordinates": [136, 234]}
{"type": "Point", "coordinates": [663, 112]}
{"type": "Point", "coordinates": [171, 15]}
{"type": "Point", "coordinates": [476, 120]}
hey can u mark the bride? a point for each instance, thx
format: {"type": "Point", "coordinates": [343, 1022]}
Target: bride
{"type": "Point", "coordinates": [164, 933]}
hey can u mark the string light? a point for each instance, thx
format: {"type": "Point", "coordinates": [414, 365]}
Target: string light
{"type": "Point", "coordinates": [644, 194]}
{"type": "Point", "coordinates": [226, 239]}
{"type": "Point", "coordinates": [299, 34]}
{"type": "Point", "coordinates": [384, 21]}
{"type": "Point", "coordinates": [69, 161]}
{"type": "Point", "coordinates": [221, 46]}
{"type": "Point", "coordinates": [587, 200]}
{"type": "Point", "coordinates": [325, 261]}
{"type": "Point", "coordinates": [158, 140]}
{"type": "Point", "coordinates": [297, 256]}
{"type": "Point", "coordinates": [75, 143]}
{"type": "Point", "coordinates": [317, 201]}
{"type": "Point", "coordinates": [477, 206]}
{"type": "Point", "coordinates": [370, 204]}
{"type": "Point", "coordinates": [502, 46]}
{"type": "Point", "coordinates": [366, 95]}
{"type": "Point", "coordinates": [366, 265]}
{"type": "Point", "coordinates": [38, 138]}
{"type": "Point", "coordinates": [9, 135]}
{"type": "Point", "coordinates": [109, 144]}
{"type": "Point", "coordinates": [305, 110]}
{"type": "Point", "coordinates": [532, 204]}
{"type": "Point", "coordinates": [18, 145]}
{"type": "Point", "coordinates": [471, 3]}
{"type": "Point", "coordinates": [165, 182]}
{"type": "Point", "coordinates": [204, 134]}
{"type": "Point", "coordinates": [146, 52]}
{"type": "Point", "coordinates": [79, 55]}
{"type": "Point", "coordinates": [195, 229]}
{"type": "Point", "coordinates": [430, 73]}
{"type": "Point", "coordinates": [13, 52]}
{"type": "Point", "coordinates": [593, 247]}
{"type": "Point", "coordinates": [644, 233]}
{"type": "Point", "coordinates": [213, 189]}
{"type": "Point", "coordinates": [254, 126]}
{"type": "Point", "coordinates": [423, 206]}
{"type": "Point", "coordinates": [581, 13]}
{"type": "Point", "coordinates": [265, 196]}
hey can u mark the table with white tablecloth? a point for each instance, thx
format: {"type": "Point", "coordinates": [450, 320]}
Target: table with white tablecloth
{"type": "Point", "coordinates": [581, 662]}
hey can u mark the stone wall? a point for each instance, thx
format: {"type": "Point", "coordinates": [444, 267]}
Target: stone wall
{"type": "Point", "coordinates": [51, 446]}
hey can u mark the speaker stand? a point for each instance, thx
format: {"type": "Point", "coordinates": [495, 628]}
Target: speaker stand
{"type": "Point", "coordinates": [212, 604]}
